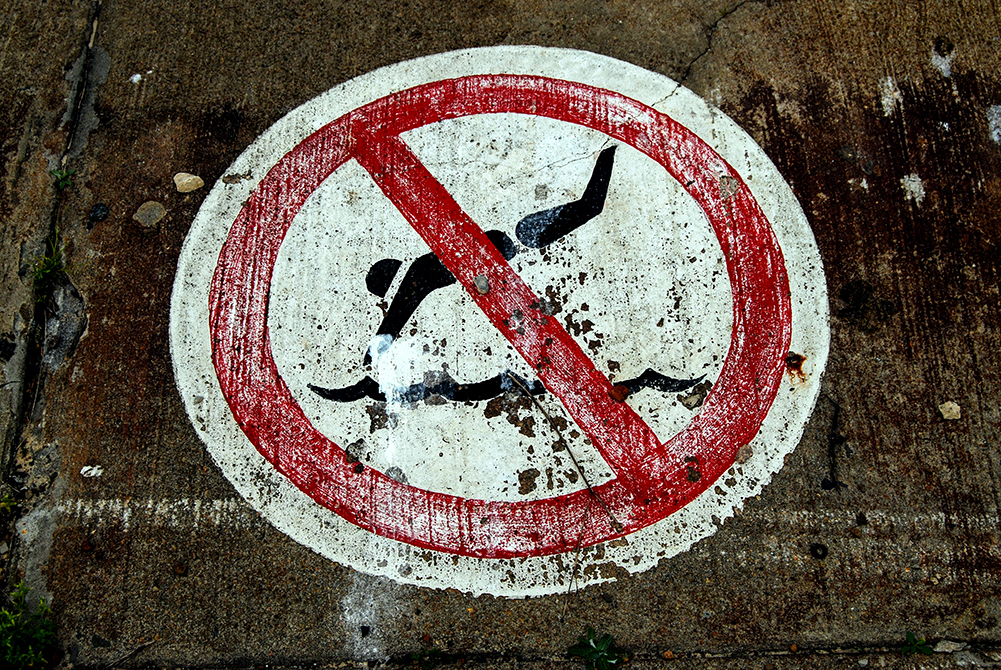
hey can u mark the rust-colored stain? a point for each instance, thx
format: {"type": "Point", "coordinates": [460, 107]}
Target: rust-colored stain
{"type": "Point", "coordinates": [794, 365]}
{"type": "Point", "coordinates": [619, 393]}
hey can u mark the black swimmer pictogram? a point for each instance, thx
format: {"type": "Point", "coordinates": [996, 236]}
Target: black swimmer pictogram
{"type": "Point", "coordinates": [427, 274]}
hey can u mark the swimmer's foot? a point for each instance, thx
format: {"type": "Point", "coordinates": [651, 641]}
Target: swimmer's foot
{"type": "Point", "coordinates": [652, 379]}
{"type": "Point", "coordinates": [443, 386]}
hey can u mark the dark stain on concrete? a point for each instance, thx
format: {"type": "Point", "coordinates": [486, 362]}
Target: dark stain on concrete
{"type": "Point", "coordinates": [512, 405]}
{"type": "Point", "coordinates": [378, 418]}
{"type": "Point", "coordinates": [526, 481]}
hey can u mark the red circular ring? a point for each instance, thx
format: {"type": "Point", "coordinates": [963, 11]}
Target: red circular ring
{"type": "Point", "coordinates": [657, 484]}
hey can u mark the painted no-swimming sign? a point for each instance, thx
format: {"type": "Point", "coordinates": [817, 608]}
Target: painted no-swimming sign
{"type": "Point", "coordinates": [499, 320]}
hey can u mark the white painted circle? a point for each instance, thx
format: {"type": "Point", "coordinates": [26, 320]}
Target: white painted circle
{"type": "Point", "coordinates": [642, 285]}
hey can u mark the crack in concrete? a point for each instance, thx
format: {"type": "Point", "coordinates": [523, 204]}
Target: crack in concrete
{"type": "Point", "coordinates": [38, 330]}
{"type": "Point", "coordinates": [57, 322]}
{"type": "Point", "coordinates": [563, 162]}
{"type": "Point", "coordinates": [980, 654]}
{"type": "Point", "coordinates": [31, 379]}
{"type": "Point", "coordinates": [94, 64]}
{"type": "Point", "coordinates": [710, 34]}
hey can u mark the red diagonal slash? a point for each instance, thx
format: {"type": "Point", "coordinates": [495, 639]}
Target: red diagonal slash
{"type": "Point", "coordinates": [624, 440]}
{"type": "Point", "coordinates": [653, 479]}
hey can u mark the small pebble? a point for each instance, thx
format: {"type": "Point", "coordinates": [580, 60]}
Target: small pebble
{"type": "Point", "coordinates": [150, 214]}
{"type": "Point", "coordinates": [818, 551]}
{"type": "Point", "coordinates": [482, 285]}
{"type": "Point", "coordinates": [186, 183]}
{"type": "Point", "coordinates": [689, 401]}
{"type": "Point", "coordinates": [98, 213]}
{"type": "Point", "coordinates": [744, 454]}
{"type": "Point", "coordinates": [669, 654]}
{"type": "Point", "coordinates": [92, 471]}
{"type": "Point", "coordinates": [950, 411]}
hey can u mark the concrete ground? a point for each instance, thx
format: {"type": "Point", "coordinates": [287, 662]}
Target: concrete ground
{"type": "Point", "coordinates": [885, 118]}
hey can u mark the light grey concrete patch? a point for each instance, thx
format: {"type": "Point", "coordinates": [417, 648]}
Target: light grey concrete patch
{"type": "Point", "coordinates": [34, 537]}
{"type": "Point", "coordinates": [64, 326]}
{"type": "Point", "coordinates": [368, 611]}
{"type": "Point", "coordinates": [89, 71]}
{"type": "Point", "coordinates": [994, 122]}
{"type": "Point", "coordinates": [943, 62]}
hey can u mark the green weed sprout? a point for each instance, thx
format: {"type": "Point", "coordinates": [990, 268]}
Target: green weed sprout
{"type": "Point", "coordinates": [596, 654]}
{"type": "Point", "coordinates": [917, 645]}
{"type": "Point", "coordinates": [49, 263]}
{"type": "Point", "coordinates": [24, 637]}
{"type": "Point", "coordinates": [7, 505]}
{"type": "Point", "coordinates": [63, 178]}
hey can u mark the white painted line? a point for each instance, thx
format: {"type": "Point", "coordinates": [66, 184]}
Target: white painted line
{"type": "Point", "coordinates": [180, 513]}
{"type": "Point", "coordinates": [187, 514]}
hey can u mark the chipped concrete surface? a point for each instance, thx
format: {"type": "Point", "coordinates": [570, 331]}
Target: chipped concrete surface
{"type": "Point", "coordinates": [905, 502]}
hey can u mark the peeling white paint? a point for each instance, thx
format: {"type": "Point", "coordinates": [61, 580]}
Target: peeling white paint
{"type": "Point", "coordinates": [943, 63]}
{"type": "Point", "coordinates": [368, 610]}
{"type": "Point", "coordinates": [914, 188]}
{"type": "Point", "coordinates": [35, 532]}
{"type": "Point", "coordinates": [889, 94]}
{"type": "Point", "coordinates": [994, 122]}
{"type": "Point", "coordinates": [171, 513]}
{"type": "Point", "coordinates": [395, 365]}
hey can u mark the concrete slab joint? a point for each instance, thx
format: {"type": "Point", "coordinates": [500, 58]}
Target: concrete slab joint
{"type": "Point", "coordinates": [48, 325]}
